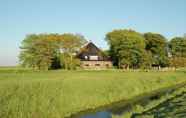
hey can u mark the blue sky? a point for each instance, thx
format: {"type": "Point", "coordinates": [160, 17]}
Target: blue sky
{"type": "Point", "coordinates": [91, 18]}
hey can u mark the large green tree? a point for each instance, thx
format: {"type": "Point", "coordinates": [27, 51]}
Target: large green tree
{"type": "Point", "coordinates": [127, 48]}
{"type": "Point", "coordinates": [38, 51]}
{"type": "Point", "coordinates": [156, 45]}
{"type": "Point", "coordinates": [177, 48]}
{"type": "Point", "coordinates": [70, 44]}
{"type": "Point", "coordinates": [48, 51]}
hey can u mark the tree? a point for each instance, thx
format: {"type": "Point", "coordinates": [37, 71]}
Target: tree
{"type": "Point", "coordinates": [70, 44]}
{"type": "Point", "coordinates": [68, 62]}
{"type": "Point", "coordinates": [178, 51]}
{"type": "Point", "coordinates": [43, 51]}
{"type": "Point", "coordinates": [178, 47]}
{"type": "Point", "coordinates": [127, 48]}
{"type": "Point", "coordinates": [38, 51]}
{"type": "Point", "coordinates": [156, 44]}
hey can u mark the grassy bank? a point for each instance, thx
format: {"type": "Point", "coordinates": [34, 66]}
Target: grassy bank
{"type": "Point", "coordinates": [147, 104]}
{"type": "Point", "coordinates": [56, 94]}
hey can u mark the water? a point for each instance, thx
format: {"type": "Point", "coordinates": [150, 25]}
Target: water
{"type": "Point", "coordinates": [172, 108]}
{"type": "Point", "coordinates": [102, 114]}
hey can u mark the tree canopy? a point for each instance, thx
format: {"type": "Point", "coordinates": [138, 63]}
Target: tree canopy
{"type": "Point", "coordinates": [38, 51]}
{"type": "Point", "coordinates": [156, 45]}
{"type": "Point", "coordinates": [43, 51]}
{"type": "Point", "coordinates": [127, 47]}
{"type": "Point", "coordinates": [69, 45]}
{"type": "Point", "coordinates": [178, 46]}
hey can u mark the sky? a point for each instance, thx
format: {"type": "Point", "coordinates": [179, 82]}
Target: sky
{"type": "Point", "coordinates": [91, 18]}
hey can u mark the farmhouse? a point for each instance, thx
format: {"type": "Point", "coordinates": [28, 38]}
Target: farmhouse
{"type": "Point", "coordinates": [92, 57]}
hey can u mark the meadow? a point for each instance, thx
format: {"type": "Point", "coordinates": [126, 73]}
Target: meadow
{"type": "Point", "coordinates": [25, 93]}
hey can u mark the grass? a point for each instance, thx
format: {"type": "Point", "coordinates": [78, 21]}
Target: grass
{"type": "Point", "coordinates": [58, 94]}
{"type": "Point", "coordinates": [147, 105]}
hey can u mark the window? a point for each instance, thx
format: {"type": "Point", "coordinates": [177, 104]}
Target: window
{"type": "Point", "coordinates": [86, 64]}
{"type": "Point", "coordinates": [86, 57]}
{"type": "Point", "coordinates": [107, 65]}
{"type": "Point", "coordinates": [93, 57]}
{"type": "Point", "coordinates": [97, 64]}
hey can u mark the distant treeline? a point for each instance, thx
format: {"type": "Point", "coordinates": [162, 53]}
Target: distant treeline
{"type": "Point", "coordinates": [128, 49]}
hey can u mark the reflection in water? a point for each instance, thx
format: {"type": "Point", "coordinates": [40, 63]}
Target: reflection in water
{"type": "Point", "coordinates": [103, 114]}
{"type": "Point", "coordinates": [172, 108]}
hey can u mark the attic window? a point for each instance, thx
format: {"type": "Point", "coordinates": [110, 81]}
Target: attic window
{"type": "Point", "coordinates": [86, 57]}
{"type": "Point", "coordinates": [93, 57]}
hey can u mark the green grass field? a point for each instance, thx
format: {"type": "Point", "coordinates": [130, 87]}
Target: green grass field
{"type": "Point", "coordinates": [58, 94]}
